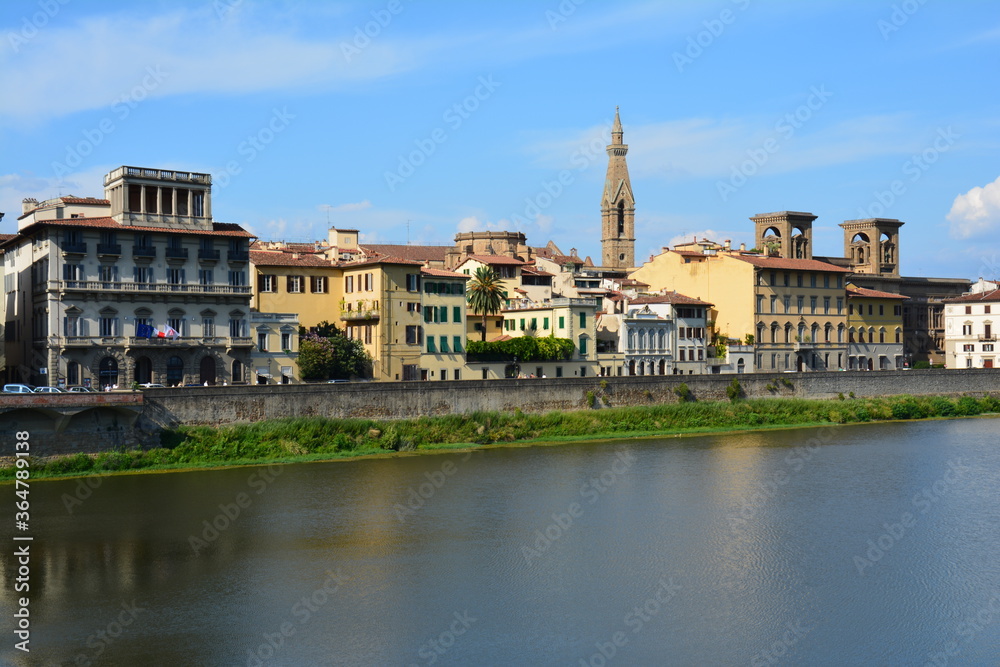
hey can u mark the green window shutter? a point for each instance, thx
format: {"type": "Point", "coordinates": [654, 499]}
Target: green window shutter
{"type": "Point", "coordinates": [428, 316]}
{"type": "Point", "coordinates": [583, 346]}
{"type": "Point", "coordinates": [443, 313]}
{"type": "Point", "coordinates": [545, 323]}
{"type": "Point", "coordinates": [444, 345]}
{"type": "Point", "coordinates": [456, 313]}
{"type": "Point", "coordinates": [562, 322]}
{"type": "Point", "coordinates": [430, 344]}
{"type": "Point", "coordinates": [583, 320]}
{"type": "Point", "coordinates": [522, 324]}
{"type": "Point", "coordinates": [457, 343]}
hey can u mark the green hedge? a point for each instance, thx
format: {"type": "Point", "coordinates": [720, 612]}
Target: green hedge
{"type": "Point", "coordinates": [526, 348]}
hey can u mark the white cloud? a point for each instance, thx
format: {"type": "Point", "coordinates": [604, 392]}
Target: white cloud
{"type": "Point", "coordinates": [975, 212]}
{"type": "Point", "coordinates": [341, 208]}
{"type": "Point", "coordinates": [474, 224]}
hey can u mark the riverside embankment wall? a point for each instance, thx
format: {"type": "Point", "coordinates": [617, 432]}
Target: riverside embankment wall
{"type": "Point", "coordinates": [167, 408]}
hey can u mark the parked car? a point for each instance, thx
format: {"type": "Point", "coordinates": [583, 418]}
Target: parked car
{"type": "Point", "coordinates": [49, 390]}
{"type": "Point", "coordinates": [81, 390]}
{"type": "Point", "coordinates": [151, 385]}
{"type": "Point", "coordinates": [18, 389]}
{"type": "Point", "coordinates": [337, 381]}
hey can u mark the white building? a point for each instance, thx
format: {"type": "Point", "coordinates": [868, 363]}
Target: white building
{"type": "Point", "coordinates": [84, 277]}
{"type": "Point", "coordinates": [969, 333]}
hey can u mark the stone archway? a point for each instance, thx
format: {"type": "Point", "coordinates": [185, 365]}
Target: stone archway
{"type": "Point", "coordinates": [108, 372]}
{"type": "Point", "coordinates": [207, 370]}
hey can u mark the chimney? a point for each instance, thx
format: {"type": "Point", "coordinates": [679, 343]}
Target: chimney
{"type": "Point", "coordinates": [767, 250]}
{"type": "Point", "coordinates": [28, 204]}
{"type": "Point", "coordinates": [727, 244]}
{"type": "Point", "coordinates": [743, 247]}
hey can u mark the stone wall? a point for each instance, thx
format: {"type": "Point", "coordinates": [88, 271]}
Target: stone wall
{"type": "Point", "coordinates": [395, 400]}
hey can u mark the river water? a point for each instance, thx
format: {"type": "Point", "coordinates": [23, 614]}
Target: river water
{"type": "Point", "coordinates": [872, 544]}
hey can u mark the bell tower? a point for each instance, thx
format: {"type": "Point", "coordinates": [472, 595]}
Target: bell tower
{"type": "Point", "coordinates": [617, 206]}
{"type": "Point", "coordinates": [872, 245]}
{"type": "Point", "coordinates": [785, 234]}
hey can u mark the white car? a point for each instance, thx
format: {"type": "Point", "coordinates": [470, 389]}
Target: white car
{"type": "Point", "coordinates": [152, 385]}
{"type": "Point", "coordinates": [18, 389]}
{"type": "Point", "coordinates": [81, 390]}
{"type": "Point", "coordinates": [49, 390]}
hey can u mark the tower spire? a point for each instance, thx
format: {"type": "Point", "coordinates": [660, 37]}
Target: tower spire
{"type": "Point", "coordinates": [617, 206]}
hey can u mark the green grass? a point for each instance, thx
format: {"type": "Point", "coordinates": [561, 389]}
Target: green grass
{"type": "Point", "coordinates": [309, 439]}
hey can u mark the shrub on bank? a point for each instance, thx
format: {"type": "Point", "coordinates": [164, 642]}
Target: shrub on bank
{"type": "Point", "coordinates": [287, 439]}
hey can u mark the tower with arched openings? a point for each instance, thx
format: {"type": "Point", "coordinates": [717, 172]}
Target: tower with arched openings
{"type": "Point", "coordinates": [871, 246]}
{"type": "Point", "coordinates": [785, 234]}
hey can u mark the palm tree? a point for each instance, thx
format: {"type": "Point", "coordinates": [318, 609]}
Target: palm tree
{"type": "Point", "coordinates": [485, 293]}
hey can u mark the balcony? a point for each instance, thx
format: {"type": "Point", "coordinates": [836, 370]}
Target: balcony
{"type": "Point", "coordinates": [176, 253]}
{"type": "Point", "coordinates": [801, 345]}
{"type": "Point", "coordinates": [159, 174]}
{"type": "Point", "coordinates": [359, 315]}
{"type": "Point", "coordinates": [208, 254]}
{"type": "Point", "coordinates": [987, 338]}
{"type": "Point", "coordinates": [133, 287]}
{"type": "Point", "coordinates": [238, 255]}
{"type": "Point", "coordinates": [241, 342]}
{"type": "Point", "coordinates": [143, 251]}
{"type": "Point", "coordinates": [109, 249]}
{"type": "Point", "coordinates": [74, 248]}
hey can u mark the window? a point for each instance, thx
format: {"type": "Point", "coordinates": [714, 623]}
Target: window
{"type": "Point", "coordinates": [881, 335]}
{"type": "Point", "coordinates": [583, 320]}
{"type": "Point", "coordinates": [107, 273]}
{"type": "Point", "coordinates": [108, 325]}
{"type": "Point", "coordinates": [262, 342]}
{"type": "Point", "coordinates": [237, 278]}
{"type": "Point", "coordinates": [443, 314]}
{"type": "Point", "coordinates": [428, 314]}
{"type": "Point", "coordinates": [143, 274]}
{"type": "Point", "coordinates": [968, 347]}
{"type": "Point", "coordinates": [545, 324]}
{"type": "Point", "coordinates": [175, 276]}
{"type": "Point", "coordinates": [444, 345]}
{"type": "Point", "coordinates": [826, 305]}
{"type": "Point", "coordinates": [267, 283]}
{"type": "Point", "coordinates": [206, 276]}
{"type": "Point", "coordinates": [318, 284]}
{"type": "Point", "coordinates": [456, 314]}
{"type": "Point", "coordinates": [897, 310]}
{"type": "Point", "coordinates": [456, 346]}
{"type": "Point", "coordinates": [348, 284]}
{"type": "Point", "coordinates": [72, 272]}
{"type": "Point", "coordinates": [534, 323]}
{"type": "Point", "coordinates": [787, 304]}
{"type": "Point", "coordinates": [812, 305]}
{"type": "Point", "coordinates": [431, 344]}
{"type": "Point", "coordinates": [294, 284]}
{"type": "Point", "coordinates": [412, 282]}
{"type": "Point", "coordinates": [760, 303]}
{"type": "Point", "coordinates": [798, 279]}
{"type": "Point", "coordinates": [208, 327]}
{"type": "Point", "coordinates": [237, 327]}
{"type": "Point", "coordinates": [812, 280]}
{"type": "Point", "coordinates": [774, 300]}
{"type": "Point", "coordinates": [881, 309]}
{"type": "Point", "coordinates": [562, 322]}
{"type": "Point", "coordinates": [798, 302]}
{"type": "Point", "coordinates": [826, 284]}
{"type": "Point", "coordinates": [966, 329]}
{"type": "Point", "coordinates": [583, 371]}
{"type": "Point", "coordinates": [986, 309]}
{"type": "Point", "coordinates": [444, 373]}
{"type": "Point", "coordinates": [840, 305]}
{"type": "Point", "coordinates": [774, 278]}
{"type": "Point", "coordinates": [583, 346]}
{"type": "Point", "coordinates": [870, 309]}
{"type": "Point", "coordinates": [414, 335]}
{"type": "Point", "coordinates": [987, 347]}
{"type": "Point", "coordinates": [968, 310]}
{"type": "Point", "coordinates": [413, 307]}
{"type": "Point", "coordinates": [369, 282]}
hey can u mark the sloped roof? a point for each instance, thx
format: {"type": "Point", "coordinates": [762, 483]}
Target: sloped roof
{"type": "Point", "coordinates": [282, 258]}
{"type": "Point", "coordinates": [789, 264]}
{"type": "Point", "coordinates": [670, 297]}
{"type": "Point", "coordinates": [991, 296]}
{"type": "Point", "coordinates": [420, 253]}
{"type": "Point", "coordinates": [441, 273]}
{"type": "Point", "coordinates": [218, 228]}
{"type": "Point", "coordinates": [387, 259]}
{"type": "Point", "coordinates": [864, 292]}
{"type": "Point", "coordinates": [496, 259]}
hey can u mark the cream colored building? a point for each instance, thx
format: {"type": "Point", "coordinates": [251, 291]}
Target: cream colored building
{"type": "Point", "coordinates": [83, 277]}
{"type": "Point", "coordinates": [971, 331]}
{"type": "Point", "coordinates": [276, 348]}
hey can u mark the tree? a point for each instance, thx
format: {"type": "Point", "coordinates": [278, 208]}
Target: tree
{"type": "Point", "coordinates": [486, 293]}
{"type": "Point", "coordinates": [328, 354]}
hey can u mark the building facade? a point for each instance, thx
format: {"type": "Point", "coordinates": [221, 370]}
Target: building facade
{"type": "Point", "coordinates": [86, 281]}
{"type": "Point", "coordinates": [874, 330]}
{"type": "Point", "coordinates": [970, 331]}
{"type": "Point", "coordinates": [444, 311]}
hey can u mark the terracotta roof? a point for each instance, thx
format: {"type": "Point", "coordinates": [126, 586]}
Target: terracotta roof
{"type": "Point", "coordinates": [218, 228]}
{"type": "Point", "coordinates": [495, 259]}
{"type": "Point", "coordinates": [530, 270]}
{"type": "Point", "coordinates": [421, 253]}
{"type": "Point", "coordinates": [7, 237]}
{"type": "Point", "coordinates": [872, 294]}
{"type": "Point", "coordinates": [670, 297]}
{"type": "Point", "coordinates": [85, 200]}
{"type": "Point", "coordinates": [387, 259]}
{"type": "Point", "coordinates": [993, 295]}
{"type": "Point", "coordinates": [790, 264]}
{"type": "Point", "coordinates": [501, 337]}
{"type": "Point", "coordinates": [281, 258]}
{"type": "Point", "coordinates": [443, 274]}
{"type": "Point", "coordinates": [631, 282]}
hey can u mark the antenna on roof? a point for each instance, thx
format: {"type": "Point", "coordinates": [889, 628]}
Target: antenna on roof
{"type": "Point", "coordinates": [407, 232]}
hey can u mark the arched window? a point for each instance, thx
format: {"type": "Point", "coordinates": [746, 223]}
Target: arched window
{"type": "Point", "coordinates": [788, 333]}
{"type": "Point", "coordinates": [760, 333]}
{"type": "Point", "coordinates": [899, 336]}
{"type": "Point", "coordinates": [881, 335]}
{"type": "Point", "coordinates": [108, 372]}
{"type": "Point", "coordinates": [621, 218]}
{"type": "Point", "coordinates": [175, 371]}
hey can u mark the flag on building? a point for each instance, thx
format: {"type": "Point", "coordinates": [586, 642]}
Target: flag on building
{"type": "Point", "coordinates": [172, 333]}
{"type": "Point", "coordinates": [143, 330]}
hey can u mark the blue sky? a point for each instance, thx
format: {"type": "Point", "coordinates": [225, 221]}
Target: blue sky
{"type": "Point", "coordinates": [413, 119]}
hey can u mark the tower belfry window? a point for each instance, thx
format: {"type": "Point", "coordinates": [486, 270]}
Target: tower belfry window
{"type": "Point", "coordinates": [621, 218]}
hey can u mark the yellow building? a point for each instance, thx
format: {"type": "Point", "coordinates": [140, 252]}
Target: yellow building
{"type": "Point", "coordinates": [294, 278]}
{"type": "Point", "coordinates": [382, 308]}
{"type": "Point", "coordinates": [444, 312]}
{"type": "Point", "coordinates": [874, 329]}
{"type": "Point", "coordinates": [794, 309]}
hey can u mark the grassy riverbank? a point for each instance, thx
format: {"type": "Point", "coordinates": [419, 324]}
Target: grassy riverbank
{"type": "Point", "coordinates": [320, 439]}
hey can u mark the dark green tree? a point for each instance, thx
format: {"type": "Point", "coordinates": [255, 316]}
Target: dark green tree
{"type": "Point", "coordinates": [328, 354]}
